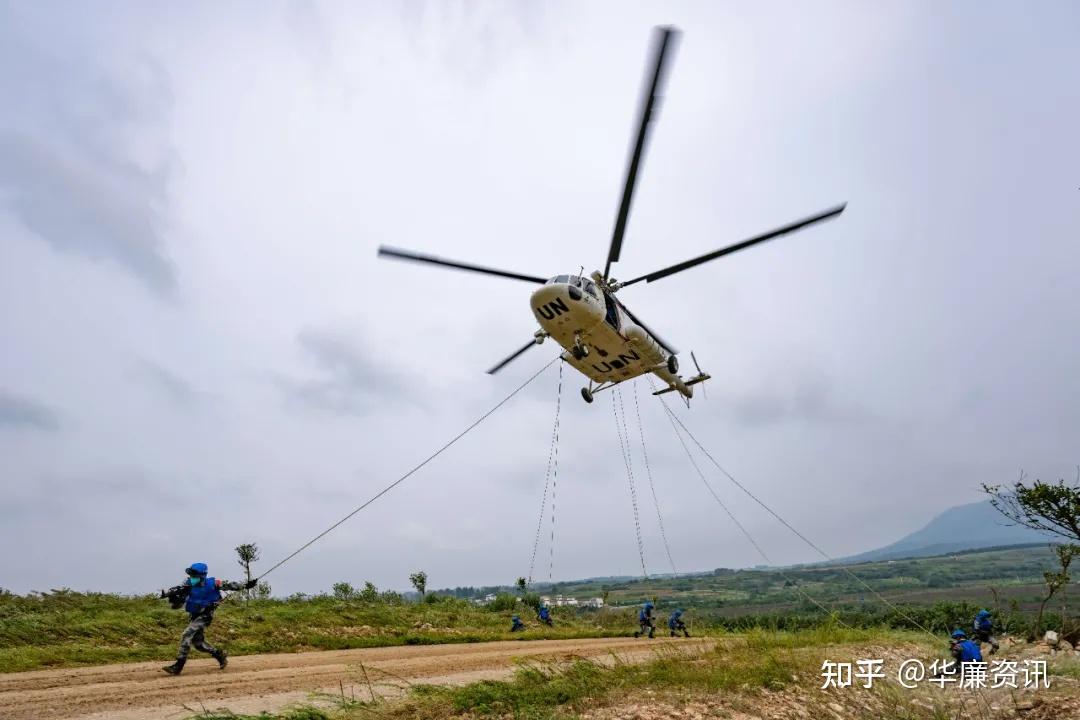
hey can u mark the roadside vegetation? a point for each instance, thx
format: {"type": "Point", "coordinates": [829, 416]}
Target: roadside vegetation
{"type": "Point", "coordinates": [760, 674]}
{"type": "Point", "coordinates": [66, 629]}
{"type": "Point", "coordinates": [63, 628]}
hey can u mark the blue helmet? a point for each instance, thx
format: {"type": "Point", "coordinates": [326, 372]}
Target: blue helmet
{"type": "Point", "coordinates": [983, 613]}
{"type": "Point", "coordinates": [958, 633]}
{"type": "Point", "coordinates": [648, 604]}
{"type": "Point", "coordinates": [197, 570]}
{"type": "Point", "coordinates": [515, 618]}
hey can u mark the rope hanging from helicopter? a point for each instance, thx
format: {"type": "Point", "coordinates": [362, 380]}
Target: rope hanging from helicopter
{"type": "Point", "coordinates": [415, 468]}
{"type": "Point", "coordinates": [549, 476]}
{"type": "Point", "coordinates": [676, 424]}
{"type": "Point", "coordinates": [734, 520]}
{"type": "Point", "coordinates": [676, 420]}
{"type": "Point", "coordinates": [652, 487]}
{"type": "Point", "coordinates": [624, 448]}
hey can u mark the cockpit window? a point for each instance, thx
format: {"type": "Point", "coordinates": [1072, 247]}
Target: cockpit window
{"type": "Point", "coordinates": [562, 279]}
{"type": "Point", "coordinates": [590, 288]}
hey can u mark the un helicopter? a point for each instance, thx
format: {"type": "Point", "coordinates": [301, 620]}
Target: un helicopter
{"type": "Point", "coordinates": [600, 336]}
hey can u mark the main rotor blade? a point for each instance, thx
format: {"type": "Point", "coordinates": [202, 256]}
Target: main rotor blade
{"type": "Point", "coordinates": [511, 358]}
{"type": "Point", "coordinates": [420, 257]}
{"type": "Point", "coordinates": [784, 230]}
{"type": "Point", "coordinates": [663, 38]}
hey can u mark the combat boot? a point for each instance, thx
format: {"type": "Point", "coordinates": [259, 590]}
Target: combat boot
{"type": "Point", "coordinates": [222, 658]}
{"type": "Point", "coordinates": [177, 667]}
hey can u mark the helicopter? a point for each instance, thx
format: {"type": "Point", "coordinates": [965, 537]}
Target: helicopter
{"type": "Point", "coordinates": [600, 336]}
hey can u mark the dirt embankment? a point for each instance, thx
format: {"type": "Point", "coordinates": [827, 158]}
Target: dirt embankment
{"type": "Point", "coordinates": [139, 691]}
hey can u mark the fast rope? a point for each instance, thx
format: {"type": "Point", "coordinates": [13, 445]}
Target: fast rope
{"type": "Point", "coordinates": [652, 487]}
{"type": "Point", "coordinates": [798, 534]}
{"type": "Point", "coordinates": [553, 456]}
{"type": "Point", "coordinates": [404, 477]}
{"type": "Point", "coordinates": [552, 480]}
{"type": "Point", "coordinates": [624, 447]}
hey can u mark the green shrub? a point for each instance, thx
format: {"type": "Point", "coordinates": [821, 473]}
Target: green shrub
{"type": "Point", "coordinates": [503, 602]}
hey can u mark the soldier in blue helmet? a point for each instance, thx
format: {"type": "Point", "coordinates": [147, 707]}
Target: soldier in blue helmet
{"type": "Point", "coordinates": [984, 630]}
{"type": "Point", "coordinates": [676, 625]}
{"type": "Point", "coordinates": [517, 625]}
{"type": "Point", "coordinates": [199, 595]}
{"type": "Point", "coordinates": [964, 650]}
{"type": "Point", "coordinates": [645, 620]}
{"type": "Point", "coordinates": [544, 615]}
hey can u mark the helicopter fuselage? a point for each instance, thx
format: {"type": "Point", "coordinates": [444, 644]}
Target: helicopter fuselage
{"type": "Point", "coordinates": [600, 338]}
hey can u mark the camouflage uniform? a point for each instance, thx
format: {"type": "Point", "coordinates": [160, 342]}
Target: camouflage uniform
{"type": "Point", "coordinates": [200, 597]}
{"type": "Point", "coordinates": [195, 632]}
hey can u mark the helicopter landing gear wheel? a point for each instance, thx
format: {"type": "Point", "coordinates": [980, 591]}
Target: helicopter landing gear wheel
{"type": "Point", "coordinates": [673, 364]}
{"type": "Point", "coordinates": [586, 395]}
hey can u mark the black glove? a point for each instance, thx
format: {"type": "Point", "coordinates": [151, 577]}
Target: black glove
{"type": "Point", "coordinates": [251, 583]}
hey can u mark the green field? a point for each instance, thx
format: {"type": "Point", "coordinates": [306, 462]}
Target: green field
{"type": "Point", "coordinates": [1015, 573]}
{"type": "Point", "coordinates": [65, 628]}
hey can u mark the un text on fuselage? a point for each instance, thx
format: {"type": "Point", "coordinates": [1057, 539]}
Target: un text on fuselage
{"type": "Point", "coordinates": [552, 309]}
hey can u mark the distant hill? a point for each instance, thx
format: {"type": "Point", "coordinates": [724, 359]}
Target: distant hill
{"type": "Point", "coordinates": [964, 527]}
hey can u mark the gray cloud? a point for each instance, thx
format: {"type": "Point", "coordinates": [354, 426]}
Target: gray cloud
{"type": "Point", "coordinates": [82, 163]}
{"type": "Point", "coordinates": [348, 380]}
{"type": "Point", "coordinates": [173, 386]}
{"type": "Point", "coordinates": [810, 398]}
{"type": "Point", "coordinates": [893, 359]}
{"type": "Point", "coordinates": [22, 412]}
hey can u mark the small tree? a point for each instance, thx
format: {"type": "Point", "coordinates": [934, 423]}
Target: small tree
{"type": "Point", "coordinates": [262, 591]}
{"type": "Point", "coordinates": [343, 591]}
{"type": "Point", "coordinates": [522, 585]}
{"type": "Point", "coordinates": [1052, 508]}
{"type": "Point", "coordinates": [247, 554]}
{"type": "Point", "coordinates": [1056, 581]}
{"type": "Point", "coordinates": [419, 581]}
{"type": "Point", "coordinates": [370, 593]}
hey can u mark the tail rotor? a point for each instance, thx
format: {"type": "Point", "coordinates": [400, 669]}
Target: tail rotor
{"type": "Point", "coordinates": [700, 378]}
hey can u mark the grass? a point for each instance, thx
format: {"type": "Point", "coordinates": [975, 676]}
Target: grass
{"type": "Point", "coordinates": [741, 664]}
{"type": "Point", "coordinates": [68, 629]}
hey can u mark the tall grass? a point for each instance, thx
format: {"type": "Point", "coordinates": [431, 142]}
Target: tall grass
{"type": "Point", "coordinates": [64, 628]}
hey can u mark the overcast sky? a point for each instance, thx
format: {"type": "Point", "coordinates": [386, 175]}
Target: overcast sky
{"type": "Point", "coordinates": [200, 347]}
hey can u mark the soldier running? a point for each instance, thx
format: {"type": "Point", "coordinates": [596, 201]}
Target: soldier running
{"type": "Point", "coordinates": [676, 625]}
{"type": "Point", "coordinates": [200, 596]}
{"type": "Point", "coordinates": [645, 620]}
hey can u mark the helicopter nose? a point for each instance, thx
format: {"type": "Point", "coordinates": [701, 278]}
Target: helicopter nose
{"type": "Point", "coordinates": [548, 297]}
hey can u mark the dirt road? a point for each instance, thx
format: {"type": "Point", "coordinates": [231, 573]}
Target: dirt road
{"type": "Point", "coordinates": [139, 691]}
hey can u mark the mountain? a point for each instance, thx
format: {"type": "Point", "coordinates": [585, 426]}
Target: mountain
{"type": "Point", "coordinates": [964, 527]}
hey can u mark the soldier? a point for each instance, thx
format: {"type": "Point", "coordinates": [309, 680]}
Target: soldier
{"type": "Point", "coordinates": [675, 624]}
{"type": "Point", "coordinates": [544, 615]}
{"type": "Point", "coordinates": [984, 630]}
{"type": "Point", "coordinates": [517, 625]}
{"type": "Point", "coordinates": [962, 649]}
{"type": "Point", "coordinates": [200, 596]}
{"type": "Point", "coordinates": [645, 620]}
